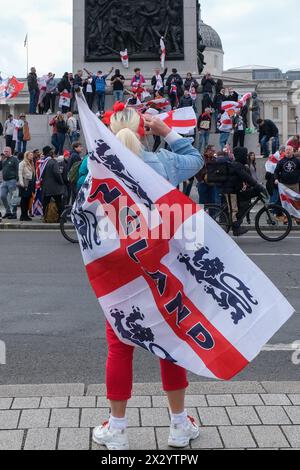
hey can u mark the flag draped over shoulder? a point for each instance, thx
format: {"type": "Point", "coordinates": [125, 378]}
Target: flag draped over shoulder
{"type": "Point", "coordinates": [176, 286]}
{"type": "Point", "coordinates": [290, 200]}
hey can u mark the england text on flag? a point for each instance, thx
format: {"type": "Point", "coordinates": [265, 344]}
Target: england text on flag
{"type": "Point", "coordinates": [197, 302]}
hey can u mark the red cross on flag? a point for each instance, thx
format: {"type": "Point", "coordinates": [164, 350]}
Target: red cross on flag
{"type": "Point", "coordinates": [125, 58]}
{"type": "Point", "coordinates": [168, 278]}
{"type": "Point", "coordinates": [182, 120]}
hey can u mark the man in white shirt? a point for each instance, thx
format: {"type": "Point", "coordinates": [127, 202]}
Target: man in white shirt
{"type": "Point", "coordinates": [72, 128]}
{"type": "Point", "coordinates": [8, 131]}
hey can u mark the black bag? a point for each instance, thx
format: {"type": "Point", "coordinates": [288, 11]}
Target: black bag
{"type": "Point", "coordinates": [61, 127]}
{"type": "Point", "coordinates": [217, 173]}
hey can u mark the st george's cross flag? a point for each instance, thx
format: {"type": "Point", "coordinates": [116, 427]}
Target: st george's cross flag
{"type": "Point", "coordinates": [229, 108]}
{"type": "Point", "coordinates": [273, 161]}
{"type": "Point", "coordinates": [182, 120]}
{"type": "Point", "coordinates": [170, 282]}
{"type": "Point", "coordinates": [290, 200]}
{"type": "Point", "coordinates": [163, 53]}
{"type": "Point", "coordinates": [125, 58]}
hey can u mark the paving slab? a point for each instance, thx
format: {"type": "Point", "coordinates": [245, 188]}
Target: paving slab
{"type": "Point", "coordinates": [26, 403]}
{"type": "Point", "coordinates": [34, 419]}
{"type": "Point", "coordinates": [41, 439]}
{"type": "Point", "coordinates": [209, 439]}
{"type": "Point", "coordinates": [213, 417]}
{"type": "Point", "coordinates": [54, 402]}
{"type": "Point", "coordinates": [64, 418]}
{"type": "Point", "coordinates": [272, 415]}
{"type": "Point", "coordinates": [269, 437]}
{"type": "Point", "coordinates": [5, 403]}
{"type": "Point", "coordinates": [248, 399]}
{"type": "Point", "coordinates": [9, 419]}
{"type": "Point", "coordinates": [220, 400]}
{"type": "Point", "coordinates": [293, 413]}
{"type": "Point", "coordinates": [237, 437]}
{"type": "Point", "coordinates": [11, 440]}
{"type": "Point", "coordinates": [28, 391]}
{"type": "Point", "coordinates": [74, 439]}
{"type": "Point", "coordinates": [281, 387]}
{"type": "Point", "coordinates": [243, 415]}
{"type": "Point", "coordinates": [292, 434]}
{"type": "Point", "coordinates": [276, 399]}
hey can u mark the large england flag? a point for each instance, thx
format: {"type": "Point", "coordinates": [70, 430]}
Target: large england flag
{"type": "Point", "coordinates": [168, 278]}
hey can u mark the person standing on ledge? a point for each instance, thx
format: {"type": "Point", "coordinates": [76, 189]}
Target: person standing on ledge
{"type": "Point", "coordinates": [100, 83]}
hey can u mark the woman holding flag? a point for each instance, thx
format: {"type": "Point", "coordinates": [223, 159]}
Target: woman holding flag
{"type": "Point", "coordinates": [177, 165]}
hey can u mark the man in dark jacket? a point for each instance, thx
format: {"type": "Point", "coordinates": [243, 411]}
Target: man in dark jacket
{"type": "Point", "coordinates": [268, 130]}
{"type": "Point", "coordinates": [175, 87]}
{"type": "Point", "coordinates": [33, 89]}
{"type": "Point", "coordinates": [75, 158]}
{"type": "Point", "coordinates": [9, 166]}
{"type": "Point", "coordinates": [52, 182]}
{"type": "Point", "coordinates": [208, 85]}
{"type": "Point", "coordinates": [238, 197]}
{"type": "Point", "coordinates": [288, 170]}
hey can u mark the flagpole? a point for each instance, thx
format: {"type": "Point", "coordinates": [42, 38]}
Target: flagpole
{"type": "Point", "coordinates": [27, 55]}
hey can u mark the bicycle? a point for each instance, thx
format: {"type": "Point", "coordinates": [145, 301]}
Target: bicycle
{"type": "Point", "coordinates": [67, 228]}
{"type": "Point", "coordinates": [272, 222]}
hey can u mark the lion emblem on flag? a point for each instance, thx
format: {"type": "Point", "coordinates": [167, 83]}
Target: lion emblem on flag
{"type": "Point", "coordinates": [229, 292]}
{"type": "Point", "coordinates": [134, 331]}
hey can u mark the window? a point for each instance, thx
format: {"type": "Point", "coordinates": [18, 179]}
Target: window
{"type": "Point", "coordinates": [292, 114]}
{"type": "Point", "coordinates": [275, 112]}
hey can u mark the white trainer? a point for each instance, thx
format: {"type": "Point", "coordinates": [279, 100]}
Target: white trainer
{"type": "Point", "coordinates": [113, 439]}
{"type": "Point", "coordinates": [181, 435]}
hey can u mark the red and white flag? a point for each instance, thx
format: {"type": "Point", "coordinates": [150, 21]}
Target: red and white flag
{"type": "Point", "coordinates": [65, 99]}
{"type": "Point", "coordinates": [273, 161]}
{"type": "Point", "coordinates": [177, 287]}
{"type": "Point", "coordinates": [163, 53]}
{"type": "Point", "coordinates": [229, 108]}
{"type": "Point", "coordinates": [10, 89]}
{"type": "Point", "coordinates": [290, 200]}
{"type": "Point", "coordinates": [182, 120]}
{"type": "Point", "coordinates": [161, 104]}
{"type": "Point", "coordinates": [125, 58]}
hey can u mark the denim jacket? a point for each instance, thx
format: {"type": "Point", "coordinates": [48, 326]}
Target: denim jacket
{"type": "Point", "coordinates": [178, 165]}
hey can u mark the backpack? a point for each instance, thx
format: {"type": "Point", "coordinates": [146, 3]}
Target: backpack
{"type": "Point", "coordinates": [73, 175]}
{"type": "Point", "coordinates": [51, 216]}
{"type": "Point", "coordinates": [217, 173]}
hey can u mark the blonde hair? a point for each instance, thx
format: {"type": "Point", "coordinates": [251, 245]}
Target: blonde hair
{"type": "Point", "coordinates": [28, 162]}
{"type": "Point", "coordinates": [125, 125]}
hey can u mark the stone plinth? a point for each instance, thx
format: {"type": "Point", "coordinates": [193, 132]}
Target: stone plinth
{"type": "Point", "coordinates": [190, 45]}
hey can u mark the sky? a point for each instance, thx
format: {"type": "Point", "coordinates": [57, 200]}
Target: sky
{"type": "Point", "coordinates": [260, 32]}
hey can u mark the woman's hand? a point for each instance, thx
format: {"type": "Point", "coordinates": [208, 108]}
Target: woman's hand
{"type": "Point", "coordinates": [155, 126]}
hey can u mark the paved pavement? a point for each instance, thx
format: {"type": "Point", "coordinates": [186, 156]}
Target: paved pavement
{"type": "Point", "coordinates": [240, 415]}
{"type": "Point", "coordinates": [54, 330]}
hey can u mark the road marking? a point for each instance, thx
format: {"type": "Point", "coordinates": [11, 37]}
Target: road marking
{"type": "Point", "coordinates": [273, 254]}
{"type": "Point", "coordinates": [281, 347]}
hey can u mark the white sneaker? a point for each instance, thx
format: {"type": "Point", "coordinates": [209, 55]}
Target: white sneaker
{"type": "Point", "coordinates": [181, 435]}
{"type": "Point", "coordinates": [113, 439]}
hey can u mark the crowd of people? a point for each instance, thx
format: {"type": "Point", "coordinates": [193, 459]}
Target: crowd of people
{"type": "Point", "coordinates": [52, 167]}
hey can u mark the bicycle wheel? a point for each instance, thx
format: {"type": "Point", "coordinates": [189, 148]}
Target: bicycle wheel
{"type": "Point", "coordinates": [219, 215]}
{"type": "Point", "coordinates": [67, 228]}
{"type": "Point", "coordinates": [273, 227]}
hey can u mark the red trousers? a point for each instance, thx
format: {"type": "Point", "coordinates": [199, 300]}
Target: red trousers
{"type": "Point", "coordinates": [119, 370]}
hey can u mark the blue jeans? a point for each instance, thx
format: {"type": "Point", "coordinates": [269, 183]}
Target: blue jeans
{"type": "Point", "coordinates": [265, 145]}
{"type": "Point", "coordinates": [60, 142]}
{"type": "Point", "coordinates": [224, 136]}
{"type": "Point", "coordinates": [7, 189]}
{"type": "Point", "coordinates": [119, 95]}
{"type": "Point", "coordinates": [209, 194]}
{"type": "Point", "coordinates": [204, 139]}
{"type": "Point", "coordinates": [74, 137]}
{"type": "Point", "coordinates": [33, 102]}
{"type": "Point", "coordinates": [101, 101]}
{"type": "Point", "coordinates": [22, 146]}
